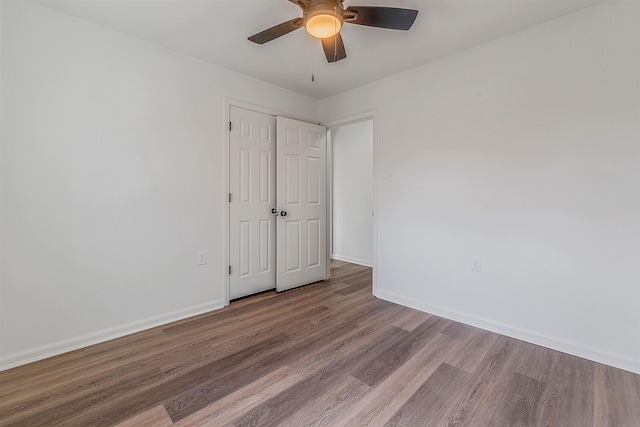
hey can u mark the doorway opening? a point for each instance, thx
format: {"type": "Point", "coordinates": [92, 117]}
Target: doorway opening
{"type": "Point", "coordinates": [352, 150]}
{"type": "Point", "coordinates": [352, 189]}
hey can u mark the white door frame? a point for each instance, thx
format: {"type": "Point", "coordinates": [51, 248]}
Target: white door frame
{"type": "Point", "coordinates": [228, 103]}
{"type": "Point", "coordinates": [333, 124]}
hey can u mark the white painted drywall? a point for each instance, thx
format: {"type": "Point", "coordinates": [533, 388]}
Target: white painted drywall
{"type": "Point", "coordinates": [113, 178]}
{"type": "Point", "coordinates": [524, 152]}
{"type": "Point", "coordinates": [352, 189]}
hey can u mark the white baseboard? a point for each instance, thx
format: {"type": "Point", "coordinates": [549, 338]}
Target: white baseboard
{"type": "Point", "coordinates": [352, 260]}
{"type": "Point", "coordinates": [38, 353]}
{"type": "Point", "coordinates": [576, 349]}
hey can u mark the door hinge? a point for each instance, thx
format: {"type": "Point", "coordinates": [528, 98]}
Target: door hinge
{"type": "Point", "coordinates": [229, 125]}
{"type": "Point", "coordinates": [229, 270]}
{"type": "Point", "coordinates": [229, 197]}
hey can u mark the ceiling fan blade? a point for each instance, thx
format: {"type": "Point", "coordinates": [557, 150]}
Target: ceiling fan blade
{"type": "Point", "coordinates": [382, 17]}
{"type": "Point", "coordinates": [277, 31]}
{"type": "Point", "coordinates": [334, 48]}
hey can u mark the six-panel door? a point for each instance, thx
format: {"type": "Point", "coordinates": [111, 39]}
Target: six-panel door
{"type": "Point", "coordinates": [252, 226]}
{"type": "Point", "coordinates": [301, 194]}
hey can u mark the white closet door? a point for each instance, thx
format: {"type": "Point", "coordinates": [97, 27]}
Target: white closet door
{"type": "Point", "coordinates": [302, 203]}
{"type": "Point", "coordinates": [252, 226]}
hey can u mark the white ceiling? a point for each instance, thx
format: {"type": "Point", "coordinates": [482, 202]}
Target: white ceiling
{"type": "Point", "coordinates": [216, 31]}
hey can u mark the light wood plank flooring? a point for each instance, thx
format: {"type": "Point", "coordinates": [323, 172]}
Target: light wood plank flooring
{"type": "Point", "coordinates": [325, 354]}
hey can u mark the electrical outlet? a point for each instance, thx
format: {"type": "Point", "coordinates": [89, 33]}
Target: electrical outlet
{"type": "Point", "coordinates": [202, 258]}
{"type": "Point", "coordinates": [475, 263]}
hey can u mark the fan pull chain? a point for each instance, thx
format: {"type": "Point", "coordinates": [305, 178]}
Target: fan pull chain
{"type": "Point", "coordinates": [335, 36]}
{"type": "Point", "coordinates": [313, 75]}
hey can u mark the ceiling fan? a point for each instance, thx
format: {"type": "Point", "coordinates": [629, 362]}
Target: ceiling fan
{"type": "Point", "coordinates": [323, 19]}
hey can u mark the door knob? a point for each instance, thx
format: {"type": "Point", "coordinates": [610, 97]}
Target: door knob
{"type": "Point", "coordinates": [283, 213]}
{"type": "Point", "coordinates": [274, 211]}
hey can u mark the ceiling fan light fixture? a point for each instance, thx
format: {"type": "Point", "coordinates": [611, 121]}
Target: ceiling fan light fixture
{"type": "Point", "coordinates": [323, 20]}
{"type": "Point", "coordinates": [322, 26]}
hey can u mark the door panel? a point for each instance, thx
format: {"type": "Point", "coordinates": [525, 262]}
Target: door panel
{"type": "Point", "coordinates": [301, 192]}
{"type": "Point", "coordinates": [252, 226]}
{"type": "Point", "coordinates": [292, 246]}
{"type": "Point", "coordinates": [313, 180]}
{"type": "Point", "coordinates": [292, 180]}
{"type": "Point", "coordinates": [265, 245]}
{"type": "Point", "coordinates": [266, 183]}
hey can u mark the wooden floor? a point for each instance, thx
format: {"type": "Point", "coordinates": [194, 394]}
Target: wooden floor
{"type": "Point", "coordinates": [326, 354]}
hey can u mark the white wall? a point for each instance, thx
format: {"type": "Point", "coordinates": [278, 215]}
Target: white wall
{"type": "Point", "coordinates": [352, 188]}
{"type": "Point", "coordinates": [113, 178]}
{"type": "Point", "coordinates": [524, 152]}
